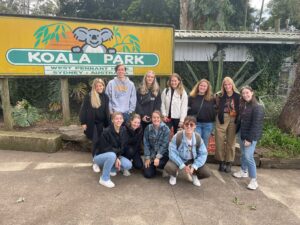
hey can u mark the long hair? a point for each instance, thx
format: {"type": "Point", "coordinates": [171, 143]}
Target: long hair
{"type": "Point", "coordinates": [228, 79]}
{"type": "Point", "coordinates": [180, 87]}
{"type": "Point", "coordinates": [95, 99]}
{"type": "Point", "coordinates": [207, 94]}
{"type": "Point", "coordinates": [132, 118]}
{"type": "Point", "coordinates": [154, 87]}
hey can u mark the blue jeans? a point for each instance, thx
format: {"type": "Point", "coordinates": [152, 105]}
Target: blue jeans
{"type": "Point", "coordinates": [107, 162]}
{"type": "Point", "coordinates": [204, 129]}
{"type": "Point", "coordinates": [247, 158]}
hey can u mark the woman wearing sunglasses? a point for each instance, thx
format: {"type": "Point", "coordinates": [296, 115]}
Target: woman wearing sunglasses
{"type": "Point", "coordinates": [187, 152]}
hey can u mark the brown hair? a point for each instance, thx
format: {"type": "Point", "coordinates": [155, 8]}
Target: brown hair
{"type": "Point", "coordinates": [157, 112]}
{"type": "Point", "coordinates": [190, 119]}
{"type": "Point", "coordinates": [133, 116]}
{"type": "Point", "coordinates": [116, 114]}
{"type": "Point", "coordinates": [253, 100]}
{"type": "Point", "coordinates": [117, 67]}
{"type": "Point", "coordinates": [208, 93]}
{"type": "Point", "coordinates": [180, 87]}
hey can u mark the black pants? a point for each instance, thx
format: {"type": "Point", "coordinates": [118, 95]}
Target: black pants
{"type": "Point", "coordinates": [174, 123]}
{"type": "Point", "coordinates": [98, 129]}
{"type": "Point", "coordinates": [133, 154]}
{"type": "Point", "coordinates": [151, 170]}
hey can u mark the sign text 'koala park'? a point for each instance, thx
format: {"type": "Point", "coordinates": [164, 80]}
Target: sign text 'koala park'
{"type": "Point", "coordinates": [38, 46]}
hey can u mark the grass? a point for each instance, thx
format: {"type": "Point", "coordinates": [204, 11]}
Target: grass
{"type": "Point", "coordinates": [282, 145]}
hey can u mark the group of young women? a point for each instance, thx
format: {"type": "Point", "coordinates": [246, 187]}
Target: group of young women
{"type": "Point", "coordinates": [144, 117]}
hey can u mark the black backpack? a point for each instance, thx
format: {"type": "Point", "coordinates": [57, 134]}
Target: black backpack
{"type": "Point", "coordinates": [179, 139]}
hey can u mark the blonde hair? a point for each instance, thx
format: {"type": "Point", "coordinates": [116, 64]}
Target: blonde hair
{"type": "Point", "coordinates": [154, 88]}
{"type": "Point", "coordinates": [95, 99]}
{"type": "Point", "coordinates": [180, 87]}
{"type": "Point", "coordinates": [207, 94]}
{"type": "Point", "coordinates": [228, 79]}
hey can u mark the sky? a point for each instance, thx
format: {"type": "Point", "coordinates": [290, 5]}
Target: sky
{"type": "Point", "coordinates": [257, 3]}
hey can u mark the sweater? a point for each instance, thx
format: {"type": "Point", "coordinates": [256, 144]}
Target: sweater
{"type": "Point", "coordinates": [122, 95]}
{"type": "Point", "coordinates": [207, 113]}
{"type": "Point", "coordinates": [147, 103]}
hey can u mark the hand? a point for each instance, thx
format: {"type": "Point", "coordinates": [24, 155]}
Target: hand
{"type": "Point", "coordinates": [187, 169]}
{"type": "Point", "coordinates": [166, 119]}
{"type": "Point", "coordinates": [147, 163]}
{"type": "Point", "coordinates": [180, 124]}
{"type": "Point", "coordinates": [84, 126]}
{"type": "Point", "coordinates": [156, 162]}
{"type": "Point", "coordinates": [247, 143]}
{"type": "Point", "coordinates": [118, 164]}
{"type": "Point", "coordinates": [192, 170]}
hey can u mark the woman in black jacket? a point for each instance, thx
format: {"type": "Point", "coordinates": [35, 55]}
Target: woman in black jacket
{"type": "Point", "coordinates": [110, 148]}
{"type": "Point", "coordinates": [148, 98]}
{"type": "Point", "coordinates": [251, 126]}
{"type": "Point", "coordinates": [94, 114]}
{"type": "Point", "coordinates": [201, 104]}
{"type": "Point", "coordinates": [133, 147]}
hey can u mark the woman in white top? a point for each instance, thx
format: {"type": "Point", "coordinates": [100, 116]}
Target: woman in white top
{"type": "Point", "coordinates": [174, 102]}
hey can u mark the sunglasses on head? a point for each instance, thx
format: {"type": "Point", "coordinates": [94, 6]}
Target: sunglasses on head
{"type": "Point", "coordinates": [189, 124]}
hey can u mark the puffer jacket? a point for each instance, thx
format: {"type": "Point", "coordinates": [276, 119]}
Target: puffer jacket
{"type": "Point", "coordinates": [251, 122]}
{"type": "Point", "coordinates": [156, 146]}
{"type": "Point", "coordinates": [111, 141]}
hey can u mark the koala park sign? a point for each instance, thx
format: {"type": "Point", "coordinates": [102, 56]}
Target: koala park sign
{"type": "Point", "coordinates": [39, 46]}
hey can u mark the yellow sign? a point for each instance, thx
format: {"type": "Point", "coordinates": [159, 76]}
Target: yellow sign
{"type": "Point", "coordinates": [31, 46]}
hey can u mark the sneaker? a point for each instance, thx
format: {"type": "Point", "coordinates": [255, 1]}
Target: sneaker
{"type": "Point", "coordinates": [240, 174]}
{"type": "Point", "coordinates": [172, 180]}
{"type": "Point", "coordinates": [107, 183]}
{"type": "Point", "coordinates": [253, 184]}
{"type": "Point", "coordinates": [126, 173]}
{"type": "Point", "coordinates": [196, 181]}
{"type": "Point", "coordinates": [113, 174]}
{"type": "Point", "coordinates": [96, 168]}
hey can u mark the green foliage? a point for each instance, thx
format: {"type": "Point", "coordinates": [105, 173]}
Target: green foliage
{"type": "Point", "coordinates": [46, 33]}
{"type": "Point", "coordinates": [129, 43]}
{"type": "Point", "coordinates": [78, 91]}
{"type": "Point", "coordinates": [282, 145]}
{"type": "Point", "coordinates": [273, 106]}
{"type": "Point", "coordinates": [24, 114]}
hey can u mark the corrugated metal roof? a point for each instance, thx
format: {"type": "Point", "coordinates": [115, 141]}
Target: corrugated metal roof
{"type": "Point", "coordinates": [237, 37]}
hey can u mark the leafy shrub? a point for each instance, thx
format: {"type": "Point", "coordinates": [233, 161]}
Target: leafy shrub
{"type": "Point", "coordinates": [273, 106]}
{"type": "Point", "coordinates": [282, 145]}
{"type": "Point", "coordinates": [24, 114]}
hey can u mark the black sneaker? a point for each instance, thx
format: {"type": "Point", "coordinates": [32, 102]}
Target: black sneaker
{"type": "Point", "coordinates": [222, 166]}
{"type": "Point", "coordinates": [228, 167]}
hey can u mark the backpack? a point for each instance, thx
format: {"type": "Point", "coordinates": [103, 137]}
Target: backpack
{"type": "Point", "coordinates": [179, 139]}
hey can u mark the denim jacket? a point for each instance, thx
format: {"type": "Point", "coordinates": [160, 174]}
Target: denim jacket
{"type": "Point", "coordinates": [181, 155]}
{"type": "Point", "coordinates": [156, 146]}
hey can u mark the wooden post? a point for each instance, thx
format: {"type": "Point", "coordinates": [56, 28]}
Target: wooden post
{"type": "Point", "coordinates": [65, 100]}
{"type": "Point", "coordinates": [8, 121]}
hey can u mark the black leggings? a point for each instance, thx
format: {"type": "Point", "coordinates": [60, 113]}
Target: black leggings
{"type": "Point", "coordinates": [174, 123]}
{"type": "Point", "coordinates": [151, 170]}
{"type": "Point", "coordinates": [133, 154]}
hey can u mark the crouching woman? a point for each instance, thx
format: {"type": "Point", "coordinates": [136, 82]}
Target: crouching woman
{"type": "Point", "coordinates": [109, 152]}
{"type": "Point", "coordinates": [156, 140]}
{"type": "Point", "coordinates": [187, 152]}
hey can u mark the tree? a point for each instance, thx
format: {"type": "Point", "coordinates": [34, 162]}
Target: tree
{"type": "Point", "coordinates": [284, 10]}
{"type": "Point", "coordinates": [289, 119]}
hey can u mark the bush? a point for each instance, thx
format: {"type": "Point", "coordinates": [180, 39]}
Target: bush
{"type": "Point", "coordinates": [273, 106]}
{"type": "Point", "coordinates": [282, 145]}
{"type": "Point", "coordinates": [24, 114]}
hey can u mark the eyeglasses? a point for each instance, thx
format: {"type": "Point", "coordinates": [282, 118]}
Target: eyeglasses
{"type": "Point", "coordinates": [189, 124]}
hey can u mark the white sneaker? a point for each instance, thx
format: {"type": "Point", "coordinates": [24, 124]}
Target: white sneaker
{"type": "Point", "coordinates": [113, 174]}
{"type": "Point", "coordinates": [240, 174]}
{"type": "Point", "coordinates": [196, 181]}
{"type": "Point", "coordinates": [107, 183]}
{"type": "Point", "coordinates": [126, 173]}
{"type": "Point", "coordinates": [96, 168]}
{"type": "Point", "coordinates": [253, 184]}
{"type": "Point", "coordinates": [172, 180]}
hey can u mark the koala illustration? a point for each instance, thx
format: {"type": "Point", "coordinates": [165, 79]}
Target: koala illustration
{"type": "Point", "coordinates": [93, 39]}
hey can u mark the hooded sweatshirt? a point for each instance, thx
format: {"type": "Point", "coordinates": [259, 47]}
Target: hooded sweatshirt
{"type": "Point", "coordinates": [122, 95]}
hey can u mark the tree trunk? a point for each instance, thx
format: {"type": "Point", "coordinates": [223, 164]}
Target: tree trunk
{"type": "Point", "coordinates": [65, 100]}
{"type": "Point", "coordinates": [8, 120]}
{"type": "Point", "coordinates": [184, 9]}
{"type": "Point", "coordinates": [289, 119]}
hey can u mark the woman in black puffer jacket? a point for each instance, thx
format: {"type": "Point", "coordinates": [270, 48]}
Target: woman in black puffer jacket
{"type": "Point", "coordinates": [135, 137]}
{"type": "Point", "coordinates": [251, 126]}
